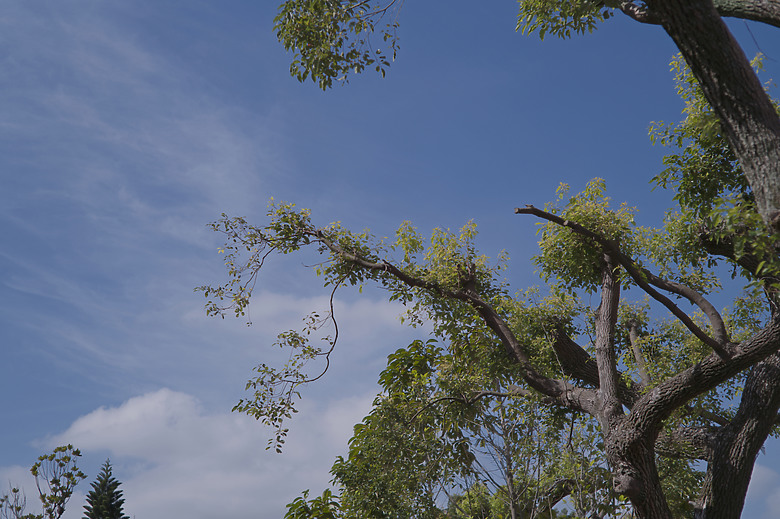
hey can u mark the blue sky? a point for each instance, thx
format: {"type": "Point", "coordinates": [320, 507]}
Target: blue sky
{"type": "Point", "coordinates": [127, 127]}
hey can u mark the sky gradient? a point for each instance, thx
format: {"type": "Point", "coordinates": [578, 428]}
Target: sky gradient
{"type": "Point", "coordinates": [128, 127]}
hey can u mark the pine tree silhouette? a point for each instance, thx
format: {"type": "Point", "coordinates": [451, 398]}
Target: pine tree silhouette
{"type": "Point", "coordinates": [104, 501]}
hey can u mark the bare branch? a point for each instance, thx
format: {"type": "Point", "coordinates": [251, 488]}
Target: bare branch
{"type": "Point", "coordinates": [606, 319]}
{"type": "Point", "coordinates": [639, 13]}
{"type": "Point", "coordinates": [764, 11]}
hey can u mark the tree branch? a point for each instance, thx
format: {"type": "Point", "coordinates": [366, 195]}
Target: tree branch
{"type": "Point", "coordinates": [764, 11]}
{"type": "Point", "coordinates": [633, 337]}
{"type": "Point", "coordinates": [658, 403]}
{"type": "Point", "coordinates": [642, 276]}
{"type": "Point", "coordinates": [730, 85]}
{"type": "Point", "coordinates": [565, 394]}
{"type": "Point", "coordinates": [577, 363]}
{"type": "Point", "coordinates": [639, 13]}
{"type": "Point", "coordinates": [606, 319]}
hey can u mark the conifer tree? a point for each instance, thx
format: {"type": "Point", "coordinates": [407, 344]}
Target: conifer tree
{"type": "Point", "coordinates": [104, 501]}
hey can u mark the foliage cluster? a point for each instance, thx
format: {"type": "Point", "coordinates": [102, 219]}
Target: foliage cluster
{"type": "Point", "coordinates": [56, 475]}
{"type": "Point", "coordinates": [332, 38]}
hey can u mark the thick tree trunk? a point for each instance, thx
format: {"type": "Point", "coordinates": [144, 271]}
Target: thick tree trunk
{"type": "Point", "coordinates": [731, 87]}
{"type": "Point", "coordinates": [737, 444]}
{"type": "Point", "coordinates": [629, 449]}
{"type": "Point", "coordinates": [632, 460]}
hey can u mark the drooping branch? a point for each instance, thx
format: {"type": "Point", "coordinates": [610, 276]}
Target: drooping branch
{"type": "Point", "coordinates": [644, 278]}
{"type": "Point", "coordinates": [719, 331]}
{"type": "Point", "coordinates": [565, 394]}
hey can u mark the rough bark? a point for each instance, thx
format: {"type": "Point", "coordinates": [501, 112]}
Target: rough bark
{"type": "Point", "coordinates": [636, 349]}
{"type": "Point", "coordinates": [631, 456]}
{"type": "Point", "coordinates": [606, 318]}
{"type": "Point", "coordinates": [737, 444]}
{"type": "Point", "coordinates": [748, 118]}
{"type": "Point", "coordinates": [765, 11]}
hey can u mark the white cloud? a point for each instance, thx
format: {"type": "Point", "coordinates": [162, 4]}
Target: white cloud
{"type": "Point", "coordinates": [174, 459]}
{"type": "Point", "coordinates": [763, 495]}
{"type": "Point", "coordinates": [763, 482]}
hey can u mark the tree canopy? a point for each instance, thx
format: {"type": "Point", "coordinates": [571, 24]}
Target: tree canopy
{"type": "Point", "coordinates": [668, 390]}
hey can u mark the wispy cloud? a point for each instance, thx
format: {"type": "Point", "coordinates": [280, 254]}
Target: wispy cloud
{"type": "Point", "coordinates": [115, 160]}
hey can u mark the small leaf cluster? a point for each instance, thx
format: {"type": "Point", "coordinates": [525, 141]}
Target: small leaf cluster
{"type": "Point", "coordinates": [737, 223]}
{"type": "Point", "coordinates": [56, 475]}
{"type": "Point", "coordinates": [325, 506]}
{"type": "Point", "coordinates": [246, 249]}
{"type": "Point", "coordinates": [714, 197]}
{"type": "Point", "coordinates": [332, 38]}
{"type": "Point", "coordinates": [575, 261]}
{"type": "Point", "coordinates": [561, 18]}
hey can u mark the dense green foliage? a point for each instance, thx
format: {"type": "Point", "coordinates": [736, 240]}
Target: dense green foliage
{"type": "Point", "coordinates": [332, 38]}
{"type": "Point", "coordinates": [105, 500]}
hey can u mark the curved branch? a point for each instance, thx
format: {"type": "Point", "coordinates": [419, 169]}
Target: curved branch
{"type": "Point", "coordinates": [644, 278]}
{"type": "Point", "coordinates": [564, 394]}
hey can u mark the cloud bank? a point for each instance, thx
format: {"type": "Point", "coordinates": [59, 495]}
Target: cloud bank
{"type": "Point", "coordinates": [174, 459]}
